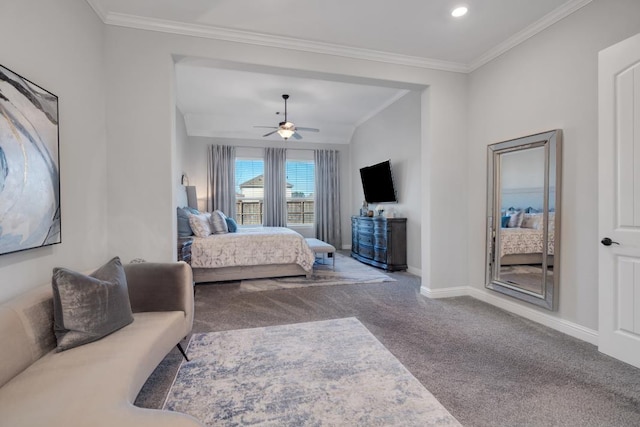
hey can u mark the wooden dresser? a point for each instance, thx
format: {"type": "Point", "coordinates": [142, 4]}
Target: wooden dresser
{"type": "Point", "coordinates": [380, 241]}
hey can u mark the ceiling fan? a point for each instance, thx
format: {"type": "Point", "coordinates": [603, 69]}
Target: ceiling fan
{"type": "Point", "coordinates": [286, 129]}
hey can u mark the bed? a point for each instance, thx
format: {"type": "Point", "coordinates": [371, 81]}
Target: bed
{"type": "Point", "coordinates": [250, 253]}
{"type": "Point", "coordinates": [522, 244]}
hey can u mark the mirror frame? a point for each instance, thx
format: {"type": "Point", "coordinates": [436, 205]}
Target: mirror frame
{"type": "Point", "coordinates": [552, 143]}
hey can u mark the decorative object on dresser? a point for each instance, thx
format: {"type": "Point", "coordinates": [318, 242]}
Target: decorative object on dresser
{"type": "Point", "coordinates": [380, 241]}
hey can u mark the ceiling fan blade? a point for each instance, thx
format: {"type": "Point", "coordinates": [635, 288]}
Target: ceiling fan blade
{"type": "Point", "coordinates": [265, 127]}
{"type": "Point", "coordinates": [296, 135]}
{"type": "Point", "coordinates": [270, 133]}
{"type": "Point", "coordinates": [308, 129]}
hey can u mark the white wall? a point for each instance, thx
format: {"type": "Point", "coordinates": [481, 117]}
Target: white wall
{"type": "Point", "coordinates": [141, 116]}
{"type": "Point", "coordinates": [59, 46]}
{"type": "Point", "coordinates": [548, 82]}
{"type": "Point", "coordinates": [394, 134]}
{"type": "Point", "coordinates": [196, 164]}
{"type": "Point", "coordinates": [180, 154]}
{"type": "Point", "coordinates": [445, 191]}
{"type": "Point", "coordinates": [523, 169]}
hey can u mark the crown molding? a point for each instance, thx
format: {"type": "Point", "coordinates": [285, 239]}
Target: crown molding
{"type": "Point", "coordinates": [96, 5]}
{"type": "Point", "coordinates": [248, 37]}
{"type": "Point", "coordinates": [533, 29]}
{"type": "Point", "coordinates": [259, 39]}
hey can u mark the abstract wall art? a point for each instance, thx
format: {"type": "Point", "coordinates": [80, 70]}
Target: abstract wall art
{"type": "Point", "coordinates": [29, 165]}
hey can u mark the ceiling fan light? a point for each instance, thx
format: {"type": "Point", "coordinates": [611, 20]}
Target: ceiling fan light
{"type": "Point", "coordinates": [286, 133]}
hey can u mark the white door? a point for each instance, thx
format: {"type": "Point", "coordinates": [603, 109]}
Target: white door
{"type": "Point", "coordinates": [619, 200]}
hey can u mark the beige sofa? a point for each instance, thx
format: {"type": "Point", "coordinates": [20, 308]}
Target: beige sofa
{"type": "Point", "coordinates": [94, 384]}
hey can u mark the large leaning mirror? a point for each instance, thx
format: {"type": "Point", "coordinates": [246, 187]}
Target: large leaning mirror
{"type": "Point", "coordinates": [523, 218]}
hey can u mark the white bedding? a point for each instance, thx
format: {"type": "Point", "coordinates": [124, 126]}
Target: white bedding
{"type": "Point", "coordinates": [252, 246]}
{"type": "Point", "coordinates": [524, 241]}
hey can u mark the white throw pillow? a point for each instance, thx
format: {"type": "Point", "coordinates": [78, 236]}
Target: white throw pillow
{"type": "Point", "coordinates": [200, 224]}
{"type": "Point", "coordinates": [515, 219]}
{"type": "Point", "coordinates": [532, 220]}
{"type": "Point", "coordinates": [219, 222]}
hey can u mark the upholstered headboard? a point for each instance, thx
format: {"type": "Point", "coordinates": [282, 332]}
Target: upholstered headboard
{"type": "Point", "coordinates": [188, 197]}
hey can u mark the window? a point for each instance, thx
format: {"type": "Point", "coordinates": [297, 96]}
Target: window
{"type": "Point", "coordinates": [249, 190]}
{"type": "Point", "coordinates": [249, 179]}
{"type": "Point", "coordinates": [300, 192]}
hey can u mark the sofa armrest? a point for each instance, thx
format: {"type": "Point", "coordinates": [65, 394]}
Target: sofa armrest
{"type": "Point", "coordinates": [161, 287]}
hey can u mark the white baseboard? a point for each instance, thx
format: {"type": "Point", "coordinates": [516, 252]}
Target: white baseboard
{"type": "Point", "coordinates": [564, 326]}
{"type": "Point", "coordinates": [346, 247]}
{"type": "Point", "coordinates": [561, 325]}
{"type": "Point", "coordinates": [460, 291]}
{"type": "Point", "coordinates": [415, 271]}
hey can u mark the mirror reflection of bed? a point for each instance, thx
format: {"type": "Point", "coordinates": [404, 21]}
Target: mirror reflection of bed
{"type": "Point", "coordinates": [522, 203]}
{"type": "Point", "coordinates": [521, 233]}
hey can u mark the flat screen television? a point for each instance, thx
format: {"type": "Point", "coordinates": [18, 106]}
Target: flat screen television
{"type": "Point", "coordinates": [377, 183]}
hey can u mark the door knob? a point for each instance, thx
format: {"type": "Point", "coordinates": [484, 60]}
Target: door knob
{"type": "Point", "coordinates": [608, 242]}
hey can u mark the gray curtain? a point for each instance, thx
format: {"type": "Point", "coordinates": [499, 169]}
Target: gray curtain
{"type": "Point", "coordinates": [221, 175]}
{"type": "Point", "coordinates": [327, 200]}
{"type": "Point", "coordinates": [275, 187]}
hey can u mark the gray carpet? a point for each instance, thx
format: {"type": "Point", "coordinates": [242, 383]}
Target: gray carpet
{"type": "Point", "coordinates": [330, 372]}
{"type": "Point", "coordinates": [347, 271]}
{"type": "Point", "coordinates": [486, 366]}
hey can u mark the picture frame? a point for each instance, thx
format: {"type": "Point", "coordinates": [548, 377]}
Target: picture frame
{"type": "Point", "coordinates": [30, 211]}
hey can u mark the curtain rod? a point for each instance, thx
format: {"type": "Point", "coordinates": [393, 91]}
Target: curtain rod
{"type": "Point", "coordinates": [248, 146]}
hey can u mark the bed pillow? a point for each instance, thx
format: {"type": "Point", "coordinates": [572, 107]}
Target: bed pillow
{"type": "Point", "coordinates": [200, 224]}
{"type": "Point", "coordinates": [218, 222]}
{"type": "Point", "coordinates": [232, 225]}
{"type": "Point", "coordinates": [515, 219]}
{"type": "Point", "coordinates": [184, 229]}
{"type": "Point", "coordinates": [532, 220]}
{"type": "Point", "coordinates": [87, 308]}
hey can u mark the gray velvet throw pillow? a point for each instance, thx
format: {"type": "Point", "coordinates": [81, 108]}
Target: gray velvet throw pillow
{"type": "Point", "coordinates": [87, 308]}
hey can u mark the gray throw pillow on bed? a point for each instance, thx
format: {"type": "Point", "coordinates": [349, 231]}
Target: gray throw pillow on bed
{"type": "Point", "coordinates": [184, 229]}
{"type": "Point", "coordinates": [219, 223]}
{"type": "Point", "coordinates": [87, 308]}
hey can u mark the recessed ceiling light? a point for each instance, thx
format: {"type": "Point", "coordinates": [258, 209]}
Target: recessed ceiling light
{"type": "Point", "coordinates": [459, 11]}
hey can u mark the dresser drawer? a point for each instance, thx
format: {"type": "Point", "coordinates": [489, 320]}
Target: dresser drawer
{"type": "Point", "coordinates": [380, 255]}
{"type": "Point", "coordinates": [365, 251]}
{"type": "Point", "coordinates": [380, 240]}
{"type": "Point", "coordinates": [380, 227]}
{"type": "Point", "coordinates": [365, 227]}
{"type": "Point", "coordinates": [365, 238]}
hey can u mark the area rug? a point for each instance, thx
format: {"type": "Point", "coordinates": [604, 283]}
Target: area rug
{"type": "Point", "coordinates": [347, 271]}
{"type": "Point", "coordinates": [327, 373]}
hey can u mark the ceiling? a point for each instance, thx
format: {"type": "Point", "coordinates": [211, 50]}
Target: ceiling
{"type": "Point", "coordinates": [228, 102]}
{"type": "Point", "coordinates": [221, 101]}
